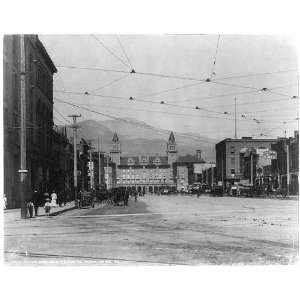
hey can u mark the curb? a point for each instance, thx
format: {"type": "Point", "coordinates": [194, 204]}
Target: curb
{"type": "Point", "coordinates": [62, 211]}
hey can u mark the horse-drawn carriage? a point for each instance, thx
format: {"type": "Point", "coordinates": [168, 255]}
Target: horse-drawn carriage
{"type": "Point", "coordinates": [87, 199]}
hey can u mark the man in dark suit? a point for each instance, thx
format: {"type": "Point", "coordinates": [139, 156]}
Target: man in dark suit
{"type": "Point", "coordinates": [36, 202]}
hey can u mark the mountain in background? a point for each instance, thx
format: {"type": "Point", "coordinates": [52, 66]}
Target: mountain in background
{"type": "Point", "coordinates": [140, 138]}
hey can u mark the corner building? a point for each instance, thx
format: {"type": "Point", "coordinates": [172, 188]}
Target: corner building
{"type": "Point", "coordinates": [39, 116]}
{"type": "Point", "coordinates": [229, 158]}
{"type": "Point", "coordinates": [148, 173]}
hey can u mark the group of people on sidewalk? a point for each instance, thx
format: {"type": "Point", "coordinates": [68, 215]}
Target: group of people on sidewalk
{"type": "Point", "coordinates": [122, 195]}
{"type": "Point", "coordinates": [44, 200]}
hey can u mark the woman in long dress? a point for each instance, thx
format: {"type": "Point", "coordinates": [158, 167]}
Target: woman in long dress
{"type": "Point", "coordinates": [53, 199]}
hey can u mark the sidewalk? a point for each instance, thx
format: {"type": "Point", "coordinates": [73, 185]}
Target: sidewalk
{"type": "Point", "coordinates": [15, 214]}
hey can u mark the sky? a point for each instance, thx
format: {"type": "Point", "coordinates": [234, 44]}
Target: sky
{"type": "Point", "coordinates": [176, 68]}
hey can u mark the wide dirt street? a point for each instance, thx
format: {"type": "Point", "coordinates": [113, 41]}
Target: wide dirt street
{"type": "Point", "coordinates": [161, 230]}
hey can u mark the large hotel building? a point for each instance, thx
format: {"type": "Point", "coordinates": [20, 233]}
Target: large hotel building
{"type": "Point", "coordinates": [149, 173]}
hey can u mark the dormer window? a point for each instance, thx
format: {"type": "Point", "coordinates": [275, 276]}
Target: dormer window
{"type": "Point", "coordinates": [157, 161]}
{"type": "Point", "coordinates": [130, 161]}
{"type": "Point", "coordinates": [144, 161]}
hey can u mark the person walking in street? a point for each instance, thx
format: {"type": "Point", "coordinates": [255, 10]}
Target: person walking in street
{"type": "Point", "coordinates": [47, 207]}
{"type": "Point", "coordinates": [135, 196]}
{"type": "Point", "coordinates": [36, 202]}
{"type": "Point", "coordinates": [53, 199]}
{"type": "Point", "coordinates": [30, 208]}
{"type": "Point", "coordinates": [126, 198]}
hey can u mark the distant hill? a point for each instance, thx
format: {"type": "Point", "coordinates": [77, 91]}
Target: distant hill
{"type": "Point", "coordinates": [140, 138]}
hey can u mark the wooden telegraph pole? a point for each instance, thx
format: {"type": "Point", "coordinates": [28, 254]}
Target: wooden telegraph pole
{"type": "Point", "coordinates": [287, 170]}
{"type": "Point", "coordinates": [75, 127]}
{"type": "Point", "coordinates": [235, 136]}
{"type": "Point", "coordinates": [23, 171]}
{"type": "Point", "coordinates": [99, 163]}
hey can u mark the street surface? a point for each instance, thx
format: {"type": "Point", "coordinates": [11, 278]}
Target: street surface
{"type": "Point", "coordinates": [160, 230]}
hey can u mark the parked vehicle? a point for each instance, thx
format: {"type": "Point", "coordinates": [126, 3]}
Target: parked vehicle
{"type": "Point", "coordinates": [87, 199]}
{"type": "Point", "coordinates": [195, 187]}
{"type": "Point", "coordinates": [205, 188]}
{"type": "Point", "coordinates": [184, 190]}
{"type": "Point", "coordinates": [165, 191]}
{"type": "Point", "coordinates": [234, 190]}
{"type": "Point", "coordinates": [217, 190]}
{"type": "Point", "coordinates": [246, 190]}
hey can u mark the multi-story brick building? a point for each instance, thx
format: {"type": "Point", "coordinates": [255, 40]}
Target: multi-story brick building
{"type": "Point", "coordinates": [229, 156]}
{"type": "Point", "coordinates": [279, 165]}
{"type": "Point", "coordinates": [39, 115]}
{"type": "Point", "coordinates": [184, 169]}
{"type": "Point", "coordinates": [148, 173]}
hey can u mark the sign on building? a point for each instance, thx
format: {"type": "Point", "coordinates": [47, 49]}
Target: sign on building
{"type": "Point", "coordinates": [199, 168]}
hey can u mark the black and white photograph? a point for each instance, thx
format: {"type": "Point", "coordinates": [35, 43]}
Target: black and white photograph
{"type": "Point", "coordinates": [150, 149]}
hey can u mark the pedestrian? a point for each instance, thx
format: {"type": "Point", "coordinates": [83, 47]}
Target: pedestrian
{"type": "Point", "coordinates": [126, 197]}
{"type": "Point", "coordinates": [53, 199]}
{"type": "Point", "coordinates": [45, 197]}
{"type": "Point", "coordinates": [36, 202]}
{"type": "Point", "coordinates": [198, 192]}
{"type": "Point", "coordinates": [135, 196]}
{"type": "Point", "coordinates": [5, 202]}
{"type": "Point", "coordinates": [30, 208]}
{"type": "Point", "coordinates": [59, 199]}
{"type": "Point", "coordinates": [64, 198]}
{"type": "Point", "coordinates": [47, 207]}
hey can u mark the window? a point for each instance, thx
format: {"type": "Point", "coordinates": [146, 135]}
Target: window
{"type": "Point", "coordinates": [157, 161]}
{"type": "Point", "coordinates": [130, 161]}
{"type": "Point", "coordinates": [232, 171]}
{"type": "Point", "coordinates": [232, 149]}
{"type": "Point", "coordinates": [232, 161]}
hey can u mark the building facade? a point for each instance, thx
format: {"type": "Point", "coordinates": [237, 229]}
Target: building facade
{"type": "Point", "coordinates": [279, 165]}
{"type": "Point", "coordinates": [149, 173]}
{"type": "Point", "coordinates": [186, 170]}
{"type": "Point", "coordinates": [229, 156]}
{"type": "Point", "coordinates": [39, 115]}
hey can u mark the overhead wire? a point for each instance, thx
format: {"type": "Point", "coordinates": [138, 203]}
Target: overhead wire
{"type": "Point", "coordinates": [212, 73]}
{"type": "Point", "coordinates": [205, 108]}
{"type": "Point", "coordinates": [141, 100]}
{"type": "Point", "coordinates": [170, 90]}
{"type": "Point", "coordinates": [108, 50]}
{"type": "Point", "coordinates": [124, 52]}
{"type": "Point", "coordinates": [195, 79]}
{"type": "Point", "coordinates": [159, 111]}
{"type": "Point", "coordinates": [68, 121]}
{"type": "Point", "coordinates": [256, 74]}
{"type": "Point", "coordinates": [175, 77]}
{"type": "Point", "coordinates": [122, 119]}
{"type": "Point", "coordinates": [110, 83]}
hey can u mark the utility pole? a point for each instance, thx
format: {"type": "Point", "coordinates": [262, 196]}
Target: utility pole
{"type": "Point", "coordinates": [99, 163]}
{"type": "Point", "coordinates": [235, 118]}
{"type": "Point", "coordinates": [251, 168]}
{"type": "Point", "coordinates": [23, 171]}
{"type": "Point", "coordinates": [75, 127]}
{"type": "Point", "coordinates": [287, 170]}
{"type": "Point", "coordinates": [91, 167]}
{"type": "Point", "coordinates": [222, 175]}
{"type": "Point", "coordinates": [107, 170]}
